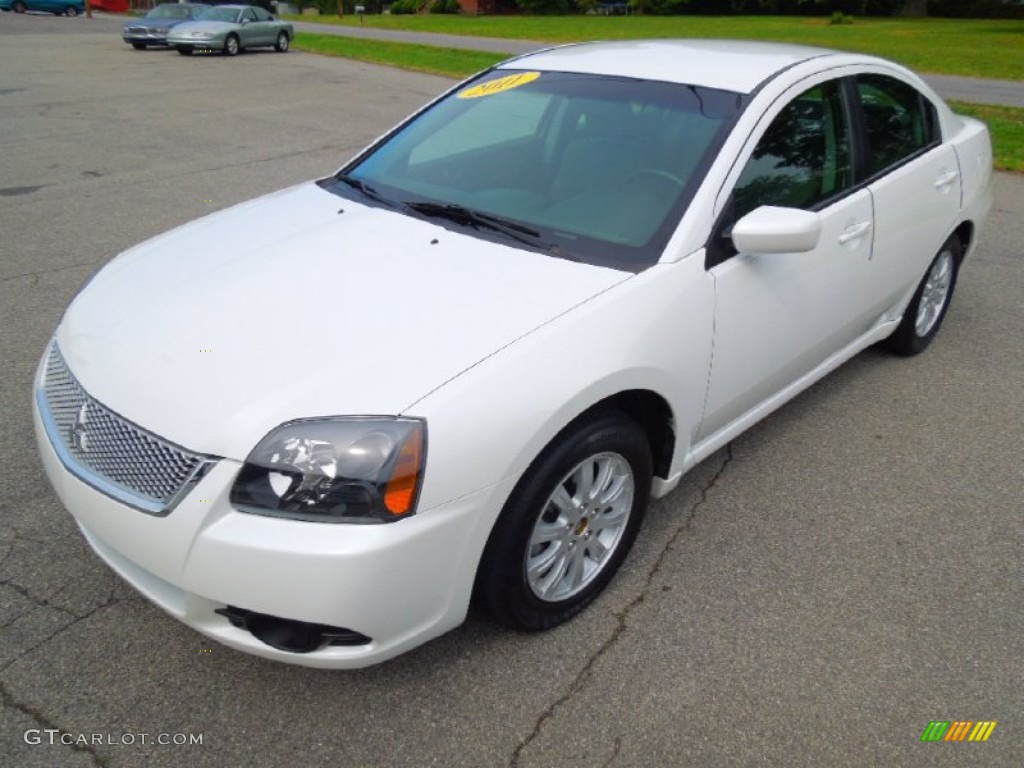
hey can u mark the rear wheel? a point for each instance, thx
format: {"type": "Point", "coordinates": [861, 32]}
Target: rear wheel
{"type": "Point", "coordinates": [281, 46]}
{"type": "Point", "coordinates": [19, 7]}
{"type": "Point", "coordinates": [139, 46]}
{"type": "Point", "coordinates": [71, 11]}
{"type": "Point", "coordinates": [232, 46]}
{"type": "Point", "coordinates": [927, 309]}
{"type": "Point", "coordinates": [185, 50]}
{"type": "Point", "coordinates": [568, 524]}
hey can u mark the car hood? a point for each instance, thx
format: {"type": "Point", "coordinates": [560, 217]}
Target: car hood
{"type": "Point", "coordinates": [302, 304]}
{"type": "Point", "coordinates": [158, 24]}
{"type": "Point", "coordinates": [204, 26]}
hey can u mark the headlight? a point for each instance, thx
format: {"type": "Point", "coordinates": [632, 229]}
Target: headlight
{"type": "Point", "coordinates": [344, 470]}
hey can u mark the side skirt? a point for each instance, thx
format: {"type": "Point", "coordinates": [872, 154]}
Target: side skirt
{"type": "Point", "coordinates": [733, 429]}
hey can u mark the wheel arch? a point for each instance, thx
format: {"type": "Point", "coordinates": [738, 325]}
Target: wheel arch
{"type": "Point", "coordinates": [965, 234]}
{"type": "Point", "coordinates": [654, 415]}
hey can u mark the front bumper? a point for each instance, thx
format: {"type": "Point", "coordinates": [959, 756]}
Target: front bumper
{"type": "Point", "coordinates": [400, 584]}
{"type": "Point", "coordinates": [147, 39]}
{"type": "Point", "coordinates": [196, 42]}
{"type": "Point", "coordinates": [148, 36]}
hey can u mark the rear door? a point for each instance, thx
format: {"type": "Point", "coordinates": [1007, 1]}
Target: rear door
{"type": "Point", "coordinates": [264, 28]}
{"type": "Point", "coordinates": [249, 28]}
{"type": "Point", "coordinates": [914, 180]}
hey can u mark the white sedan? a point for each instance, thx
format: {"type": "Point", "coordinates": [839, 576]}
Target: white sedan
{"type": "Point", "coordinates": [316, 425]}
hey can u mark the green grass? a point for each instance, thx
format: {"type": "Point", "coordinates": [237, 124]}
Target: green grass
{"type": "Point", "coordinates": [1007, 127]}
{"type": "Point", "coordinates": [971, 47]}
{"type": "Point", "coordinates": [451, 62]}
{"type": "Point", "coordinates": [1005, 123]}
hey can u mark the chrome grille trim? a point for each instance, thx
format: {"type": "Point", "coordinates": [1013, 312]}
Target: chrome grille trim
{"type": "Point", "coordinates": [108, 452]}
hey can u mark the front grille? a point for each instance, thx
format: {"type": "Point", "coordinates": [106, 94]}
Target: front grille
{"type": "Point", "coordinates": [109, 452]}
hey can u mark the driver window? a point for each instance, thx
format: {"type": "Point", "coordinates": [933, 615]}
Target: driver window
{"type": "Point", "coordinates": [247, 15]}
{"type": "Point", "coordinates": [803, 159]}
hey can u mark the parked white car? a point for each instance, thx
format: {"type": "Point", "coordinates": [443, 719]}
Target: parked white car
{"type": "Point", "coordinates": [313, 426]}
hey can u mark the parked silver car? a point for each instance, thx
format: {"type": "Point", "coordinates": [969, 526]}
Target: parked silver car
{"type": "Point", "coordinates": [231, 29]}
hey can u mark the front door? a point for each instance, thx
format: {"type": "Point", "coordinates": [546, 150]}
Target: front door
{"type": "Point", "coordinates": [778, 316]}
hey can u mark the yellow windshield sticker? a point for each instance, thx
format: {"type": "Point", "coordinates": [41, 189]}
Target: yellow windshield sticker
{"type": "Point", "coordinates": [492, 87]}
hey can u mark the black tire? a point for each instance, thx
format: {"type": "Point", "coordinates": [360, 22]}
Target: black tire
{"type": "Point", "coordinates": [71, 11]}
{"type": "Point", "coordinates": [927, 308]}
{"type": "Point", "coordinates": [185, 50]}
{"type": "Point", "coordinates": [505, 586]}
{"type": "Point", "coordinates": [281, 46]}
{"type": "Point", "coordinates": [19, 7]}
{"type": "Point", "coordinates": [232, 46]}
{"type": "Point", "coordinates": [139, 46]}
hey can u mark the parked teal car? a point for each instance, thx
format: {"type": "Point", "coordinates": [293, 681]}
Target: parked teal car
{"type": "Point", "coordinates": [231, 29]}
{"type": "Point", "coordinates": [57, 7]}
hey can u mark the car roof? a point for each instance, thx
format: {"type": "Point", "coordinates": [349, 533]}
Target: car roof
{"type": "Point", "coordinates": [732, 65]}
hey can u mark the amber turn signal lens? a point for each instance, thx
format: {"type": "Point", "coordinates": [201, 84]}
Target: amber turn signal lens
{"type": "Point", "coordinates": [400, 492]}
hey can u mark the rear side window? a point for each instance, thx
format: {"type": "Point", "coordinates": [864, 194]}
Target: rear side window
{"type": "Point", "coordinates": [803, 159]}
{"type": "Point", "coordinates": [898, 120]}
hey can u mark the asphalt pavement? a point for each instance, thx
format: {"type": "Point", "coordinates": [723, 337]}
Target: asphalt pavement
{"type": "Point", "coordinates": [970, 89]}
{"type": "Point", "coordinates": [843, 574]}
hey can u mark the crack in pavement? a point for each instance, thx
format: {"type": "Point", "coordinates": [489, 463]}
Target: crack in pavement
{"type": "Point", "coordinates": [38, 272]}
{"type": "Point", "coordinates": [9, 700]}
{"type": "Point", "coordinates": [622, 616]}
{"type": "Point", "coordinates": [106, 604]}
{"type": "Point", "coordinates": [615, 752]}
{"type": "Point", "coordinates": [40, 602]}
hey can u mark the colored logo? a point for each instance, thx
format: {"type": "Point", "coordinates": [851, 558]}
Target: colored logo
{"type": "Point", "coordinates": [958, 730]}
{"type": "Point", "coordinates": [492, 87]}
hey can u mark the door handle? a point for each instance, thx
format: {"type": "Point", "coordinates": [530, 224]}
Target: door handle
{"type": "Point", "coordinates": [946, 179]}
{"type": "Point", "coordinates": [854, 231]}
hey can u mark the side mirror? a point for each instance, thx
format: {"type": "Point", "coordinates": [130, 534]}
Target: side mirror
{"type": "Point", "coordinates": [777, 230]}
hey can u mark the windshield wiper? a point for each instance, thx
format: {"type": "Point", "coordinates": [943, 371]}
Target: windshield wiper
{"type": "Point", "coordinates": [462, 215]}
{"type": "Point", "coordinates": [367, 190]}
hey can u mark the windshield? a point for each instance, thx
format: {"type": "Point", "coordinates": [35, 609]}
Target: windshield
{"type": "Point", "coordinates": [219, 14]}
{"type": "Point", "coordinates": [599, 168]}
{"type": "Point", "coordinates": [170, 11]}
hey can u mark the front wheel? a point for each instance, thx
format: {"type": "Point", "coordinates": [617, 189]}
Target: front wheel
{"type": "Point", "coordinates": [928, 306]}
{"type": "Point", "coordinates": [232, 46]}
{"type": "Point", "coordinates": [281, 46]}
{"type": "Point", "coordinates": [19, 7]}
{"type": "Point", "coordinates": [568, 524]}
{"type": "Point", "coordinates": [71, 11]}
{"type": "Point", "coordinates": [185, 50]}
{"type": "Point", "coordinates": [139, 46]}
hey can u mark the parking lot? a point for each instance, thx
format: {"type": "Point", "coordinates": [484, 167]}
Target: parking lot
{"type": "Point", "coordinates": [816, 594]}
